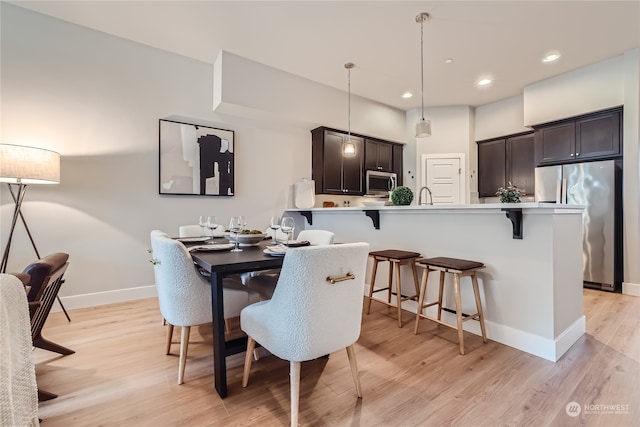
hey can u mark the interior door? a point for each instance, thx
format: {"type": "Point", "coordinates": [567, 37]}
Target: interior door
{"type": "Point", "coordinates": [443, 177]}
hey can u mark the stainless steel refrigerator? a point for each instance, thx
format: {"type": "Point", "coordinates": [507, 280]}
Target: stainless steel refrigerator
{"type": "Point", "coordinates": [595, 185]}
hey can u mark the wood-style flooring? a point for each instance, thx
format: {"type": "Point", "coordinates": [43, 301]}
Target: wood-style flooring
{"type": "Point", "coordinates": [120, 376]}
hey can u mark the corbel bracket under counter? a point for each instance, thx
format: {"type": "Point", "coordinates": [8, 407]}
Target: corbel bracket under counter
{"type": "Point", "coordinates": [515, 216]}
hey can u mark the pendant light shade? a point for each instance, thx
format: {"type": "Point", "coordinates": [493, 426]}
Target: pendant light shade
{"type": "Point", "coordinates": [349, 147]}
{"type": "Point", "coordinates": [423, 127]}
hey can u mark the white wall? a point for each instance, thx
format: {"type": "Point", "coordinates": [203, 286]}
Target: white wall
{"type": "Point", "coordinates": [96, 99]}
{"type": "Point", "coordinates": [501, 118]}
{"type": "Point", "coordinates": [596, 87]}
{"type": "Point", "coordinates": [451, 132]}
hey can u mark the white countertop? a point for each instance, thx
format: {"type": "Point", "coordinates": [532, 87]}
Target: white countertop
{"type": "Point", "coordinates": [556, 207]}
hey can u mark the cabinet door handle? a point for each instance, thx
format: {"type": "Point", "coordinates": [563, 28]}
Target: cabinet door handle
{"type": "Point", "coordinates": [577, 154]}
{"type": "Point", "coordinates": [571, 154]}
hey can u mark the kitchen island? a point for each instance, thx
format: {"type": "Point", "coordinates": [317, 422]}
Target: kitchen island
{"type": "Point", "coordinates": [532, 284]}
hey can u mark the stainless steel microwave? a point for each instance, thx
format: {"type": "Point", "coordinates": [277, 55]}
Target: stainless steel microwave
{"type": "Point", "coordinates": [380, 183]}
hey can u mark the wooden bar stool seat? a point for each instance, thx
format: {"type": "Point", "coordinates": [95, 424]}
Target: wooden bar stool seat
{"type": "Point", "coordinates": [459, 268]}
{"type": "Point", "coordinates": [396, 258]}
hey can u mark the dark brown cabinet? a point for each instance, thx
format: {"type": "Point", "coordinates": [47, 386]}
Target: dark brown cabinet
{"type": "Point", "coordinates": [506, 160]}
{"type": "Point", "coordinates": [397, 161]}
{"type": "Point", "coordinates": [333, 172]}
{"type": "Point", "coordinates": [378, 155]}
{"type": "Point", "coordinates": [588, 137]}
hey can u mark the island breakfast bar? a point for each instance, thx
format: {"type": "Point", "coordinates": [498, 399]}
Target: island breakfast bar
{"type": "Point", "coordinates": [532, 284]}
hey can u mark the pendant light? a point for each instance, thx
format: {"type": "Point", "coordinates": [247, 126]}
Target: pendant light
{"type": "Point", "coordinates": [423, 127]}
{"type": "Point", "coordinates": [349, 147]}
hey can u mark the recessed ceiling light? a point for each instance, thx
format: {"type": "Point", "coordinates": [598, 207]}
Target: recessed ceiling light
{"type": "Point", "coordinates": [550, 57]}
{"type": "Point", "coordinates": [407, 95]}
{"type": "Point", "coordinates": [484, 82]}
{"type": "Point", "coordinates": [448, 60]}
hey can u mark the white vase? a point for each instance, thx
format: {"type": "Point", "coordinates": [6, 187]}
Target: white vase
{"type": "Point", "coordinates": [304, 196]}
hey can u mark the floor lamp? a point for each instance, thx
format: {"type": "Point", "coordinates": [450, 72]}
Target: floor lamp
{"type": "Point", "coordinates": [21, 166]}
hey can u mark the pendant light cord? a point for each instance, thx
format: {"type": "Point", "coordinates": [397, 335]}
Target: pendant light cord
{"type": "Point", "coordinates": [349, 103]}
{"type": "Point", "coordinates": [422, 62]}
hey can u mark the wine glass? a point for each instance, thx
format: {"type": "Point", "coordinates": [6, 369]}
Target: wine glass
{"type": "Point", "coordinates": [211, 225]}
{"type": "Point", "coordinates": [235, 226]}
{"type": "Point", "coordinates": [287, 226]}
{"type": "Point", "coordinates": [275, 226]}
{"type": "Point", "coordinates": [202, 222]}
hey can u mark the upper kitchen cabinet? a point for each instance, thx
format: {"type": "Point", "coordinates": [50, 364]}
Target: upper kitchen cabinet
{"type": "Point", "coordinates": [397, 161]}
{"type": "Point", "coordinates": [588, 137]}
{"type": "Point", "coordinates": [506, 160]}
{"type": "Point", "coordinates": [378, 155]}
{"type": "Point", "coordinates": [333, 172]}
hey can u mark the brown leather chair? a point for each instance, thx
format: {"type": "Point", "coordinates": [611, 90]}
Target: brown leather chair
{"type": "Point", "coordinates": [45, 282]}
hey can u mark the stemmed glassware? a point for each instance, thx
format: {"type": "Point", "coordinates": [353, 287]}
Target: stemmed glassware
{"type": "Point", "coordinates": [287, 226]}
{"type": "Point", "coordinates": [211, 225]}
{"type": "Point", "coordinates": [275, 226]}
{"type": "Point", "coordinates": [235, 226]}
{"type": "Point", "coordinates": [202, 222]}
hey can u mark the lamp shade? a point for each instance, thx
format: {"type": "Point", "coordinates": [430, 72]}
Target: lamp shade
{"type": "Point", "coordinates": [28, 165]}
{"type": "Point", "coordinates": [423, 128]}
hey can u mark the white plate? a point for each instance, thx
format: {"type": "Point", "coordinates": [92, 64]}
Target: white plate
{"type": "Point", "coordinates": [193, 239]}
{"type": "Point", "coordinates": [277, 251]}
{"type": "Point", "coordinates": [372, 204]}
{"type": "Point", "coordinates": [214, 247]}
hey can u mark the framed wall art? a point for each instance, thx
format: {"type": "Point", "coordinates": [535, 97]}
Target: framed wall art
{"type": "Point", "coordinates": [195, 159]}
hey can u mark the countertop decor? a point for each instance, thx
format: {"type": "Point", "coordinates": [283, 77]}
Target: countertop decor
{"type": "Point", "coordinates": [402, 196]}
{"type": "Point", "coordinates": [511, 194]}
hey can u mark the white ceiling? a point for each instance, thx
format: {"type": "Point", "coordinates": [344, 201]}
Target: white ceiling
{"type": "Point", "coordinates": [502, 39]}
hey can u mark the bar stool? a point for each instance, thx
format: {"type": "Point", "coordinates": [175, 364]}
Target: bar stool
{"type": "Point", "coordinates": [396, 258]}
{"type": "Point", "coordinates": [459, 268]}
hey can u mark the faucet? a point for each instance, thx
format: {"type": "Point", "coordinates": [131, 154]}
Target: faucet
{"type": "Point", "coordinates": [420, 196]}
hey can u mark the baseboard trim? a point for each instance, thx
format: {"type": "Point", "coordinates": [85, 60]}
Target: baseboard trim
{"type": "Point", "coordinates": [546, 348]}
{"type": "Point", "coordinates": [107, 297]}
{"type": "Point", "coordinates": [631, 289]}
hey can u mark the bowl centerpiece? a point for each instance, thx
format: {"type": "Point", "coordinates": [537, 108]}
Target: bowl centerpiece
{"type": "Point", "coordinates": [246, 237]}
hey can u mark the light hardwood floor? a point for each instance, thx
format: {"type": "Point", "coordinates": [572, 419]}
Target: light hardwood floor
{"type": "Point", "coordinates": [120, 376]}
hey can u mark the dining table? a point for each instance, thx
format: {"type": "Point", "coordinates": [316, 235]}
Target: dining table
{"type": "Point", "coordinates": [221, 264]}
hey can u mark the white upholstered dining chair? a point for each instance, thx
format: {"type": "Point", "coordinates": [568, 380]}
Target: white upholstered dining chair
{"type": "Point", "coordinates": [190, 230]}
{"type": "Point", "coordinates": [310, 315]}
{"type": "Point", "coordinates": [265, 282]}
{"type": "Point", "coordinates": [185, 296]}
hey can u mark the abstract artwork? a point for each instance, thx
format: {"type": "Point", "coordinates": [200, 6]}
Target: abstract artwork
{"type": "Point", "coordinates": [195, 159]}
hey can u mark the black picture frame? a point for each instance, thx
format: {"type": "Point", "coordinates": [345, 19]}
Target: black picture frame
{"type": "Point", "coordinates": [195, 160]}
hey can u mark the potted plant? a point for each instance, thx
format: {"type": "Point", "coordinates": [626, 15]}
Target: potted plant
{"type": "Point", "coordinates": [402, 196]}
{"type": "Point", "coordinates": [511, 194]}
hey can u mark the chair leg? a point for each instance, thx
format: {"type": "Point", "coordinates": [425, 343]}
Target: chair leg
{"type": "Point", "coordinates": [390, 281]}
{"type": "Point", "coordinates": [414, 270]}
{"type": "Point", "coordinates": [184, 346]}
{"type": "Point", "coordinates": [374, 270]}
{"type": "Point", "coordinates": [227, 326]}
{"type": "Point", "coordinates": [423, 292]}
{"type": "Point", "coordinates": [169, 338]}
{"type": "Point", "coordinates": [476, 292]}
{"type": "Point", "coordinates": [351, 353]}
{"type": "Point", "coordinates": [456, 279]}
{"type": "Point", "coordinates": [251, 345]}
{"type": "Point", "coordinates": [294, 374]}
{"type": "Point", "coordinates": [440, 295]}
{"type": "Point", "coordinates": [398, 292]}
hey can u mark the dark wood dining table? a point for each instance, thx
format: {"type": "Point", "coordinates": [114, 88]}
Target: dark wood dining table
{"type": "Point", "coordinates": [221, 264]}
